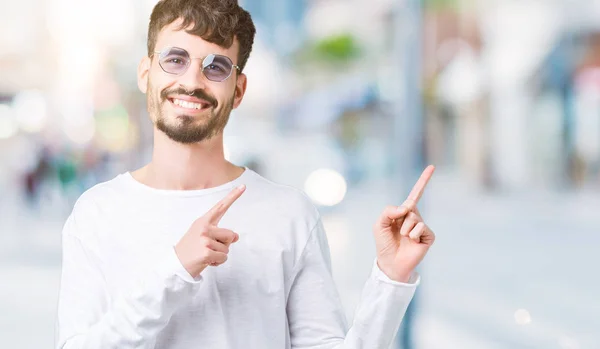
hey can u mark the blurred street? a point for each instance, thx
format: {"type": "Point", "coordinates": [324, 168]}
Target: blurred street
{"type": "Point", "coordinates": [507, 271]}
{"type": "Point", "coordinates": [347, 100]}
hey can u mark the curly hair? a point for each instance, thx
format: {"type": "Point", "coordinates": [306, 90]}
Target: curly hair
{"type": "Point", "coordinates": [216, 21]}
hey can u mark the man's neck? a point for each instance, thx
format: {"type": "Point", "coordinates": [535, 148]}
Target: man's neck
{"type": "Point", "coordinates": [177, 166]}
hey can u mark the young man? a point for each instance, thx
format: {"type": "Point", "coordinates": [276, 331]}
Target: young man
{"type": "Point", "coordinates": [191, 251]}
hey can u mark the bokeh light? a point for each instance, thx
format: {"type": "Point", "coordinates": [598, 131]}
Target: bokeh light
{"type": "Point", "coordinates": [113, 129]}
{"type": "Point", "coordinates": [326, 187]}
{"type": "Point", "coordinates": [8, 124]}
{"type": "Point", "coordinates": [31, 111]}
{"type": "Point", "coordinates": [522, 317]}
{"type": "Point", "coordinates": [568, 342]}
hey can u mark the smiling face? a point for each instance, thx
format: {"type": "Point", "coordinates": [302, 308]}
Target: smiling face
{"type": "Point", "coordinates": [188, 107]}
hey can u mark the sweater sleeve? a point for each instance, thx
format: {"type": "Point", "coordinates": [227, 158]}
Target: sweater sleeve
{"type": "Point", "coordinates": [315, 313]}
{"type": "Point", "coordinates": [88, 319]}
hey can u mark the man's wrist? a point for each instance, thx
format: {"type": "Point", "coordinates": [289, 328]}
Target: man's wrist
{"type": "Point", "coordinates": [191, 268]}
{"type": "Point", "coordinates": [395, 274]}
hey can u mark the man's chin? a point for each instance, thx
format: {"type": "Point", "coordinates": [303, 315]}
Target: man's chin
{"type": "Point", "coordinates": [185, 136]}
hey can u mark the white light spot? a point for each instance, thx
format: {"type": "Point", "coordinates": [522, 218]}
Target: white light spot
{"type": "Point", "coordinates": [81, 133]}
{"type": "Point", "coordinates": [522, 317]}
{"type": "Point", "coordinates": [78, 119]}
{"type": "Point", "coordinates": [326, 187]}
{"type": "Point", "coordinates": [8, 124]}
{"type": "Point", "coordinates": [566, 342]}
{"type": "Point", "coordinates": [30, 111]}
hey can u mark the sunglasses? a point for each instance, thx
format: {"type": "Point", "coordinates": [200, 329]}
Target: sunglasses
{"type": "Point", "coordinates": [176, 61]}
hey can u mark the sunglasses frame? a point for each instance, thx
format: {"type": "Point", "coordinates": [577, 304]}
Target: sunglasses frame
{"type": "Point", "coordinates": [190, 62]}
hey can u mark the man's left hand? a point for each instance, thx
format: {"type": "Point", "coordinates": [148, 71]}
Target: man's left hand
{"type": "Point", "coordinates": [401, 237]}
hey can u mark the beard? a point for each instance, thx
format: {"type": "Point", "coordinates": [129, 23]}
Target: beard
{"type": "Point", "coordinates": [187, 129]}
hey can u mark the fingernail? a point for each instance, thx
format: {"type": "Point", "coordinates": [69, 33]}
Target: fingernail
{"type": "Point", "coordinates": [241, 187]}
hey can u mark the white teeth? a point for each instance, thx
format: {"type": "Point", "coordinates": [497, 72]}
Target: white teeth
{"type": "Point", "coordinates": [186, 104]}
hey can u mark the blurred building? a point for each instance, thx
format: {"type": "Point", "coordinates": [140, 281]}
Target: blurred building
{"type": "Point", "coordinates": [278, 21]}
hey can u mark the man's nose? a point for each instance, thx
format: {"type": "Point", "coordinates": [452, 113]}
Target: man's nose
{"type": "Point", "coordinates": [193, 78]}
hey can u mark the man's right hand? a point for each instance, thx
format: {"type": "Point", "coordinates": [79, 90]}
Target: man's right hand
{"type": "Point", "coordinates": [204, 243]}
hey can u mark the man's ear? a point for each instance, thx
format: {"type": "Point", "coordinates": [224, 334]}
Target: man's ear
{"type": "Point", "coordinates": [142, 74]}
{"type": "Point", "coordinates": [240, 90]}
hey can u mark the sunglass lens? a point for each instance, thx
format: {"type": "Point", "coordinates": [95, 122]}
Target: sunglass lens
{"type": "Point", "coordinates": [174, 60]}
{"type": "Point", "coordinates": [217, 67]}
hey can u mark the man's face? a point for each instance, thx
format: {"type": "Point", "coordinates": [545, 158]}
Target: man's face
{"type": "Point", "coordinates": [189, 108]}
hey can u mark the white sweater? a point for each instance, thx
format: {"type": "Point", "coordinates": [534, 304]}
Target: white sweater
{"type": "Point", "coordinates": [123, 287]}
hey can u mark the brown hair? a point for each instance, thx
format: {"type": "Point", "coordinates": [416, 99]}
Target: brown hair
{"type": "Point", "coordinates": [216, 21]}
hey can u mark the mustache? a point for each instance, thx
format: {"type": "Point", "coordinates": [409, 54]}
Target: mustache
{"type": "Point", "coordinates": [201, 94]}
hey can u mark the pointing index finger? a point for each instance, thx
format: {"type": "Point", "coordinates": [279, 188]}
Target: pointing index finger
{"type": "Point", "coordinates": [419, 188]}
{"type": "Point", "coordinates": [218, 211]}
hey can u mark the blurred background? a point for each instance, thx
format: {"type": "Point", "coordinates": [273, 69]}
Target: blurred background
{"type": "Point", "coordinates": [348, 100]}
